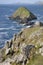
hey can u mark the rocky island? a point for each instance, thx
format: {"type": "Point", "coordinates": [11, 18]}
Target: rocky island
{"type": "Point", "coordinates": [22, 15]}
{"type": "Point", "coordinates": [26, 47]}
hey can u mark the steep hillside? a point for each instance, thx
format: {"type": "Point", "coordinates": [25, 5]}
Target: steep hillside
{"type": "Point", "coordinates": [25, 48]}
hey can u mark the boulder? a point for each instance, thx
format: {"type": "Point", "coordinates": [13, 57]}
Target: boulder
{"type": "Point", "coordinates": [1, 57]}
{"type": "Point", "coordinates": [41, 50]}
{"type": "Point", "coordinates": [38, 23]}
{"type": "Point", "coordinates": [20, 59]}
{"type": "Point", "coordinates": [29, 51]}
{"type": "Point", "coordinates": [22, 15]}
{"type": "Point", "coordinates": [2, 54]}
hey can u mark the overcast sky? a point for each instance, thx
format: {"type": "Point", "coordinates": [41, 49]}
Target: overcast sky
{"type": "Point", "coordinates": [18, 1]}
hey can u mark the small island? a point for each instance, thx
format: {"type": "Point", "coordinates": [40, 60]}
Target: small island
{"type": "Point", "coordinates": [22, 15]}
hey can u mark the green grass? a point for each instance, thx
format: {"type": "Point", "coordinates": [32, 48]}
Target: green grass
{"type": "Point", "coordinates": [37, 60]}
{"type": "Point", "coordinates": [22, 12]}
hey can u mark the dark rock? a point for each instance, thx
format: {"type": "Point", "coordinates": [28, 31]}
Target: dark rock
{"type": "Point", "coordinates": [29, 23]}
{"type": "Point", "coordinates": [29, 51]}
{"type": "Point", "coordinates": [11, 52]}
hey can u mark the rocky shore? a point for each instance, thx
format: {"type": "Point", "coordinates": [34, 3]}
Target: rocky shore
{"type": "Point", "coordinates": [24, 48]}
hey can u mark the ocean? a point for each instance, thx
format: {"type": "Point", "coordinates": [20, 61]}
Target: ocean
{"type": "Point", "coordinates": [8, 27]}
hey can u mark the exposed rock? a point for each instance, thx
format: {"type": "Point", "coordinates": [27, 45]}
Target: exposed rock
{"type": "Point", "coordinates": [21, 59]}
{"type": "Point", "coordinates": [41, 51]}
{"type": "Point", "coordinates": [23, 15]}
{"type": "Point", "coordinates": [1, 57]}
{"type": "Point", "coordinates": [29, 51]}
{"type": "Point", "coordinates": [37, 23]}
{"type": "Point", "coordinates": [6, 62]}
{"type": "Point", "coordinates": [22, 46]}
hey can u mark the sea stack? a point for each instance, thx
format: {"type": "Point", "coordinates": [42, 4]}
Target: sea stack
{"type": "Point", "coordinates": [22, 15]}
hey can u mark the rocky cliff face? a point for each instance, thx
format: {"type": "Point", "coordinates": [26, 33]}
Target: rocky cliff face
{"type": "Point", "coordinates": [24, 48]}
{"type": "Point", "coordinates": [23, 15]}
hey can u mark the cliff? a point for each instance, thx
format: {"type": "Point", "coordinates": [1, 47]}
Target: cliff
{"type": "Point", "coordinates": [25, 48]}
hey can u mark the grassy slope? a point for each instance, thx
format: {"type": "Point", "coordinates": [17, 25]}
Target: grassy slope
{"type": "Point", "coordinates": [38, 60]}
{"type": "Point", "coordinates": [22, 12]}
{"type": "Point", "coordinates": [27, 32]}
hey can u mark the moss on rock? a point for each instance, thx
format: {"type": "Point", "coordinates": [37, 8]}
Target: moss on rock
{"type": "Point", "coordinates": [23, 15]}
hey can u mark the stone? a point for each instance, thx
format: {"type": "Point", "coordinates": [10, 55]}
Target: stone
{"type": "Point", "coordinates": [41, 51]}
{"type": "Point", "coordinates": [1, 57]}
{"type": "Point", "coordinates": [7, 51]}
{"type": "Point", "coordinates": [29, 51]}
{"type": "Point", "coordinates": [21, 59]}
{"type": "Point", "coordinates": [6, 62]}
{"type": "Point", "coordinates": [38, 23]}
{"type": "Point", "coordinates": [22, 47]}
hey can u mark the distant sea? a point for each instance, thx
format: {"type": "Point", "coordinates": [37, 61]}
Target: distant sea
{"type": "Point", "coordinates": [8, 27]}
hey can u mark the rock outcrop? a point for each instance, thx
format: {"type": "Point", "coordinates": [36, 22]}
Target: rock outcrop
{"type": "Point", "coordinates": [37, 23]}
{"type": "Point", "coordinates": [23, 15]}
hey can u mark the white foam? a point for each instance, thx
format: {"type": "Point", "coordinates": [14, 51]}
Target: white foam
{"type": "Point", "coordinates": [3, 34]}
{"type": "Point", "coordinates": [7, 28]}
{"type": "Point", "coordinates": [28, 26]}
{"type": "Point", "coordinates": [14, 22]}
{"type": "Point", "coordinates": [4, 28]}
{"type": "Point", "coordinates": [23, 24]}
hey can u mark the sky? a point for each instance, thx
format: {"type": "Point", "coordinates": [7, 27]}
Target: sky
{"type": "Point", "coordinates": [18, 1]}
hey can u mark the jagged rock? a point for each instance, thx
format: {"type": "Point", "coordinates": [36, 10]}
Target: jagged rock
{"type": "Point", "coordinates": [21, 59]}
{"type": "Point", "coordinates": [37, 23]}
{"type": "Point", "coordinates": [2, 54]}
{"type": "Point", "coordinates": [6, 62]}
{"type": "Point", "coordinates": [29, 51]}
{"type": "Point", "coordinates": [15, 37]}
{"type": "Point", "coordinates": [7, 51]}
{"type": "Point", "coordinates": [22, 46]}
{"type": "Point", "coordinates": [20, 33]}
{"type": "Point", "coordinates": [1, 58]}
{"type": "Point", "coordinates": [41, 50]}
{"type": "Point", "coordinates": [23, 15]}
